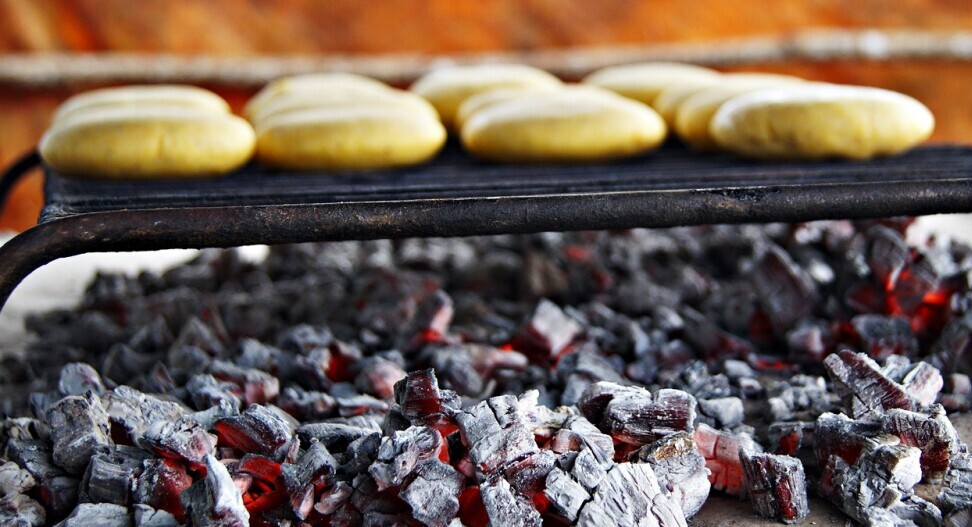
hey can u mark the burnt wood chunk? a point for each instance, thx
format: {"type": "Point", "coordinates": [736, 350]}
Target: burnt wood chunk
{"type": "Point", "coordinates": [636, 416]}
{"type": "Point", "coordinates": [776, 485]}
{"type": "Point", "coordinates": [400, 455]}
{"type": "Point", "coordinates": [721, 452]}
{"type": "Point", "coordinates": [680, 470]}
{"type": "Point", "coordinates": [931, 432]}
{"type": "Point", "coordinates": [313, 471]}
{"type": "Point", "coordinates": [433, 494]}
{"type": "Point", "coordinates": [214, 500]}
{"type": "Point", "coordinates": [493, 438]}
{"type": "Point", "coordinates": [629, 496]}
{"type": "Point", "coordinates": [258, 429]}
{"type": "Point", "coordinates": [98, 515]}
{"type": "Point", "coordinates": [505, 507]}
{"type": "Point", "coordinates": [864, 389]}
{"type": "Point", "coordinates": [79, 429]}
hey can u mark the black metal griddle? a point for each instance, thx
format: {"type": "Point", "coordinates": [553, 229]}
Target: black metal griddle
{"type": "Point", "coordinates": [456, 195]}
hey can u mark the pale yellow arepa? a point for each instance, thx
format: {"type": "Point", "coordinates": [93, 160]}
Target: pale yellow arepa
{"type": "Point", "coordinates": [577, 123]}
{"type": "Point", "coordinates": [645, 81]}
{"type": "Point", "coordinates": [815, 121]}
{"type": "Point", "coordinates": [137, 96]}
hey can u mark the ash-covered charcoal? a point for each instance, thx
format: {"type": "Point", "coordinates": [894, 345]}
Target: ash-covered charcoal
{"type": "Point", "coordinates": [79, 428]}
{"type": "Point", "coordinates": [864, 389]}
{"type": "Point", "coordinates": [635, 416]}
{"type": "Point", "coordinates": [931, 432]}
{"type": "Point", "coordinates": [680, 470]}
{"type": "Point", "coordinates": [259, 429]}
{"type": "Point", "coordinates": [98, 515]}
{"type": "Point", "coordinates": [592, 378]}
{"type": "Point", "coordinates": [776, 485]}
{"type": "Point", "coordinates": [721, 452]}
{"type": "Point", "coordinates": [433, 493]}
{"type": "Point", "coordinates": [214, 500]}
{"type": "Point", "coordinates": [18, 510]}
{"type": "Point", "coordinates": [877, 489]}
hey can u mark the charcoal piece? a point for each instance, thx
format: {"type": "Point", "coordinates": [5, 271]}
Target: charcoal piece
{"type": "Point", "coordinates": [77, 378]}
{"type": "Point", "coordinates": [950, 352]}
{"type": "Point", "coordinates": [786, 292]}
{"type": "Point", "coordinates": [421, 401]}
{"type": "Point", "coordinates": [335, 436]}
{"type": "Point", "coordinates": [629, 496]}
{"type": "Point", "coordinates": [578, 433]}
{"type": "Point", "coordinates": [14, 480]}
{"type": "Point", "coordinates": [184, 440]}
{"type": "Point", "coordinates": [679, 469]}
{"type": "Point", "coordinates": [313, 471]}
{"type": "Point", "coordinates": [504, 507]}
{"type": "Point", "coordinates": [589, 467]}
{"type": "Point", "coordinates": [883, 336]}
{"type": "Point", "coordinates": [161, 483]}
{"type": "Point", "coordinates": [377, 376]}
{"type": "Point", "coordinates": [360, 405]}
{"type": "Point", "coordinates": [490, 443]}
{"type": "Point", "coordinates": [877, 489]}
{"type": "Point", "coordinates": [727, 412]}
{"type": "Point", "coordinates": [197, 334]}
{"type": "Point", "coordinates": [153, 337]}
{"type": "Point", "coordinates": [135, 411]}
{"type": "Point", "coordinates": [259, 387]}
{"type": "Point", "coordinates": [468, 368]}
{"type": "Point", "coordinates": [333, 498]}
{"type": "Point", "coordinates": [565, 494]}
{"type": "Point", "coordinates": [809, 341]}
{"type": "Point", "coordinates": [866, 392]}
{"type": "Point", "coordinates": [788, 438]}
{"type": "Point", "coordinates": [887, 253]}
{"type": "Point", "coordinates": [931, 432]}
{"type": "Point", "coordinates": [98, 514]}
{"type": "Point", "coordinates": [433, 494]}
{"type": "Point", "coordinates": [94, 332]}
{"type": "Point", "coordinates": [721, 452]}
{"type": "Point", "coordinates": [547, 331]}
{"type": "Point", "coordinates": [305, 405]}
{"type": "Point", "coordinates": [528, 474]}
{"type": "Point", "coordinates": [214, 500]}
{"type": "Point", "coordinates": [111, 478]}
{"type": "Point", "coordinates": [403, 453]}
{"type": "Point", "coordinates": [959, 518]}
{"type": "Point", "coordinates": [776, 485]}
{"type": "Point", "coordinates": [709, 340]}
{"type": "Point", "coordinates": [361, 453]}
{"type": "Point", "coordinates": [259, 429]}
{"type": "Point", "coordinates": [956, 493]}
{"type": "Point", "coordinates": [207, 392]}
{"type": "Point", "coordinates": [430, 322]}
{"type": "Point", "coordinates": [158, 380]}
{"type": "Point", "coordinates": [58, 491]}
{"type": "Point", "coordinates": [801, 396]}
{"type": "Point", "coordinates": [18, 510]}
{"type": "Point", "coordinates": [146, 516]}
{"type": "Point", "coordinates": [124, 363]}
{"type": "Point", "coordinates": [634, 415]}
{"type": "Point", "coordinates": [956, 394]}
{"type": "Point", "coordinates": [923, 382]}
{"type": "Point", "coordinates": [79, 429]}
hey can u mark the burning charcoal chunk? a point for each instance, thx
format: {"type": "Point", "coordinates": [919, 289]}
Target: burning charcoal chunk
{"type": "Point", "coordinates": [776, 485]}
{"type": "Point", "coordinates": [206, 392]}
{"type": "Point", "coordinates": [949, 353]}
{"type": "Point", "coordinates": [629, 496]}
{"type": "Point", "coordinates": [956, 493]}
{"type": "Point", "coordinates": [433, 494]}
{"type": "Point", "coordinates": [78, 378]}
{"type": "Point", "coordinates": [259, 429]}
{"type": "Point", "coordinates": [809, 341]}
{"type": "Point", "coordinates": [590, 467]}
{"type": "Point", "coordinates": [887, 253]}
{"type": "Point", "coordinates": [866, 391]}
{"type": "Point", "coordinates": [18, 510]}
{"type": "Point", "coordinates": [923, 382]}
{"type": "Point", "coordinates": [577, 433]}
{"type": "Point", "coordinates": [547, 331]}
{"type": "Point", "coordinates": [197, 334]}
{"type": "Point", "coordinates": [490, 443]}
{"type": "Point", "coordinates": [378, 376]}
{"type": "Point", "coordinates": [313, 471]}
{"type": "Point", "coordinates": [402, 453]}
{"type": "Point", "coordinates": [361, 405]}
{"type": "Point", "coordinates": [135, 411]}
{"type": "Point", "coordinates": [98, 514]}
{"type": "Point", "coordinates": [111, 478]}
{"type": "Point", "coordinates": [786, 291]}
{"type": "Point", "coordinates": [721, 452]}
{"type": "Point", "coordinates": [787, 438]}
{"type": "Point", "coordinates": [876, 490]}
{"type": "Point", "coordinates": [259, 387]}
{"type": "Point", "coordinates": [305, 405]}
{"type": "Point", "coordinates": [333, 498]}
{"type": "Point", "coordinates": [335, 436]}
{"type": "Point", "coordinates": [146, 516]}
{"type": "Point", "coordinates": [680, 470]}
{"type": "Point", "coordinates": [838, 435]}
{"type": "Point", "coordinates": [565, 494]}
{"type": "Point", "coordinates": [58, 491]}
{"type": "Point", "coordinates": [214, 499]}
{"type": "Point", "coordinates": [122, 362]}
{"type": "Point", "coordinates": [161, 483]}
{"type": "Point", "coordinates": [468, 368]}
{"type": "Point", "coordinates": [431, 320]}
{"type": "Point", "coordinates": [79, 428]}
{"type": "Point", "coordinates": [711, 341]}
{"type": "Point", "coordinates": [580, 368]}
{"type": "Point", "coordinates": [882, 337]}
{"type": "Point", "coordinates": [14, 480]}
{"type": "Point", "coordinates": [726, 411]}
{"type": "Point", "coordinates": [931, 432]}
{"type": "Point", "coordinates": [420, 400]}
{"type": "Point", "coordinates": [184, 440]}
{"type": "Point", "coordinates": [504, 507]}
{"type": "Point", "coordinates": [635, 416]}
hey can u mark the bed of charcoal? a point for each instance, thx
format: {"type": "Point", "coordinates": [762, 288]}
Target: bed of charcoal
{"type": "Point", "coordinates": [608, 378]}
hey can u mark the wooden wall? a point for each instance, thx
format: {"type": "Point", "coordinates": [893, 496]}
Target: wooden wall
{"type": "Point", "coordinates": [253, 27]}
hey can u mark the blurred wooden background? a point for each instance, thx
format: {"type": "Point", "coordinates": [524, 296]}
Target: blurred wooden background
{"type": "Point", "coordinates": [238, 28]}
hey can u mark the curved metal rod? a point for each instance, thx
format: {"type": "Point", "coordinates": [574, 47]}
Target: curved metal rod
{"type": "Point", "coordinates": [16, 172]}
